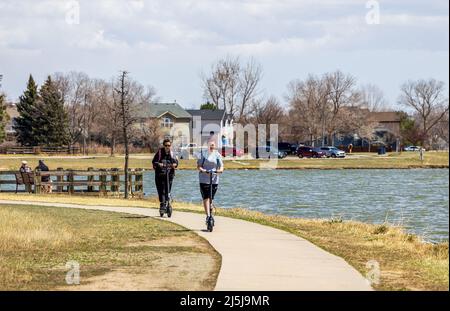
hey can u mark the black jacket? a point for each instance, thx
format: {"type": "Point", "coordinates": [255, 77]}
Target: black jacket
{"type": "Point", "coordinates": [43, 168]}
{"type": "Point", "coordinates": [161, 156]}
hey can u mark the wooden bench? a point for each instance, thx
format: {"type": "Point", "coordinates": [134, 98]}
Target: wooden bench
{"type": "Point", "coordinates": [26, 179]}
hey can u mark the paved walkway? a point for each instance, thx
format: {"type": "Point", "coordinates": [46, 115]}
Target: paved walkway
{"type": "Point", "coordinates": [256, 257]}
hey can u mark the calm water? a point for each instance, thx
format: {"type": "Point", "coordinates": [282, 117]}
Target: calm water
{"type": "Point", "coordinates": [416, 199]}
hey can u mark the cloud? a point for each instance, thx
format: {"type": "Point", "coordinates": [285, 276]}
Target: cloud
{"type": "Point", "coordinates": [149, 34]}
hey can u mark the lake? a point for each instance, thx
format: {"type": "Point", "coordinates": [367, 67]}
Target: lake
{"type": "Point", "coordinates": [417, 199]}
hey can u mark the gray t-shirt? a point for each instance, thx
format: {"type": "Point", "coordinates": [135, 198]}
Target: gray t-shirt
{"type": "Point", "coordinates": [209, 162]}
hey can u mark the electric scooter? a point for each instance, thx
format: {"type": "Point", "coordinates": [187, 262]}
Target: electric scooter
{"type": "Point", "coordinates": [167, 204]}
{"type": "Point", "coordinates": [210, 222]}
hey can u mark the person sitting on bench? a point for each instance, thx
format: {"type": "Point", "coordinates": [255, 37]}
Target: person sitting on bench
{"type": "Point", "coordinates": [24, 168]}
{"type": "Point", "coordinates": [46, 179]}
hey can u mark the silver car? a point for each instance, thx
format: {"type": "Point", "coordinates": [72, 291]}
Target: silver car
{"type": "Point", "coordinates": [333, 152]}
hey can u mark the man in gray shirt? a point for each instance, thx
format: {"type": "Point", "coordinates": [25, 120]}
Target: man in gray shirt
{"type": "Point", "coordinates": [209, 161]}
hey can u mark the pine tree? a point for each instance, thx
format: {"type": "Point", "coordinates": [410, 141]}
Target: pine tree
{"type": "Point", "coordinates": [3, 117]}
{"type": "Point", "coordinates": [53, 123]}
{"type": "Point", "coordinates": [28, 114]}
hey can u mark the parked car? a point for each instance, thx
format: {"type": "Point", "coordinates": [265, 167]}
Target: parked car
{"type": "Point", "coordinates": [413, 148]}
{"type": "Point", "coordinates": [285, 147]}
{"type": "Point", "coordinates": [231, 151]}
{"type": "Point", "coordinates": [294, 148]}
{"type": "Point", "coordinates": [268, 153]}
{"type": "Point", "coordinates": [319, 153]}
{"type": "Point", "coordinates": [333, 152]}
{"type": "Point", "coordinates": [310, 152]}
{"type": "Point", "coordinates": [188, 151]}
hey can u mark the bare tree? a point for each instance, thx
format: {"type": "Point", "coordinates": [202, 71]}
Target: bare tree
{"type": "Point", "coordinates": [132, 97]}
{"type": "Point", "coordinates": [309, 107]}
{"type": "Point", "coordinates": [356, 120]}
{"type": "Point", "coordinates": [232, 86]}
{"type": "Point", "coordinates": [342, 93]}
{"type": "Point", "coordinates": [372, 98]}
{"type": "Point", "coordinates": [440, 132]}
{"type": "Point", "coordinates": [76, 91]}
{"type": "Point", "coordinates": [428, 99]}
{"type": "Point", "coordinates": [151, 133]}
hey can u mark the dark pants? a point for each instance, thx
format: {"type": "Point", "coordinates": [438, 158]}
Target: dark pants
{"type": "Point", "coordinates": [160, 182]}
{"type": "Point", "coordinates": [205, 190]}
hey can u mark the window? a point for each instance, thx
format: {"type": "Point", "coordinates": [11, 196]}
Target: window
{"type": "Point", "coordinates": [166, 122]}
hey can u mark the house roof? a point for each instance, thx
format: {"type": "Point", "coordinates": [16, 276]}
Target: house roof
{"type": "Point", "coordinates": [208, 114]}
{"type": "Point", "coordinates": [156, 110]}
{"type": "Point", "coordinates": [385, 116]}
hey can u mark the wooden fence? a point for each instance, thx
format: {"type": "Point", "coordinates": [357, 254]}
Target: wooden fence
{"type": "Point", "coordinates": [99, 182]}
{"type": "Point", "coordinates": [40, 150]}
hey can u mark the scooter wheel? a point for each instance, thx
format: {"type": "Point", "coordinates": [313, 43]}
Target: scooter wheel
{"type": "Point", "coordinates": [169, 211]}
{"type": "Point", "coordinates": [210, 226]}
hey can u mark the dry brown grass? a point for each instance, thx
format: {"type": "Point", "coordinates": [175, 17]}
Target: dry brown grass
{"type": "Point", "coordinates": [357, 161]}
{"type": "Point", "coordinates": [406, 262]}
{"type": "Point", "coordinates": [115, 251]}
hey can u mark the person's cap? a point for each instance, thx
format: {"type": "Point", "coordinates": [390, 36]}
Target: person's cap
{"type": "Point", "coordinates": [24, 162]}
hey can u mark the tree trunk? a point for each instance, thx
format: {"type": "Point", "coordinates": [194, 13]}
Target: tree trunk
{"type": "Point", "coordinates": [113, 146]}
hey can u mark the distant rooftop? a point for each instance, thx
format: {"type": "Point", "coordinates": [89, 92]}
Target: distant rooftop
{"type": "Point", "coordinates": [155, 110]}
{"type": "Point", "coordinates": [208, 114]}
{"type": "Point", "coordinates": [385, 116]}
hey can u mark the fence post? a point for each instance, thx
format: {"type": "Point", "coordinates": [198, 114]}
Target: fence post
{"type": "Point", "coordinates": [90, 179]}
{"type": "Point", "coordinates": [139, 177]}
{"type": "Point", "coordinates": [70, 179]}
{"type": "Point", "coordinates": [130, 181]}
{"type": "Point", "coordinates": [37, 181]}
{"type": "Point", "coordinates": [102, 188]}
{"type": "Point", "coordinates": [60, 178]}
{"type": "Point", "coordinates": [115, 180]}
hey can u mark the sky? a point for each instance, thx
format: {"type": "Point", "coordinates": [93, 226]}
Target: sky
{"type": "Point", "coordinates": [169, 44]}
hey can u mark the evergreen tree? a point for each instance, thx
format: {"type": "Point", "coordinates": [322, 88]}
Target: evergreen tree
{"type": "Point", "coordinates": [3, 117]}
{"type": "Point", "coordinates": [208, 106]}
{"type": "Point", "coordinates": [28, 114]}
{"type": "Point", "coordinates": [53, 122]}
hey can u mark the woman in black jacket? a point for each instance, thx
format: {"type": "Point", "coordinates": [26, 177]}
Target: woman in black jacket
{"type": "Point", "coordinates": [164, 158]}
{"type": "Point", "coordinates": [44, 168]}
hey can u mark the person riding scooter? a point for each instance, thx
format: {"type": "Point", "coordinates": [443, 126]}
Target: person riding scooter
{"type": "Point", "coordinates": [164, 159]}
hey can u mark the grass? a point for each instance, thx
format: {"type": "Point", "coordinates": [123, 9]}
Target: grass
{"type": "Point", "coordinates": [406, 262]}
{"type": "Point", "coordinates": [356, 161]}
{"type": "Point", "coordinates": [36, 243]}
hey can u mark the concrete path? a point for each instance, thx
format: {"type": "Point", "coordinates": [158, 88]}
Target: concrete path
{"type": "Point", "coordinates": [256, 257]}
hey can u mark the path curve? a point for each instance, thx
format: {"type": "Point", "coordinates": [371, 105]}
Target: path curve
{"type": "Point", "coordinates": [256, 257]}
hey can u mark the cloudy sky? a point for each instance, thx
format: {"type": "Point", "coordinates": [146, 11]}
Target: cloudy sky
{"type": "Point", "coordinates": [167, 44]}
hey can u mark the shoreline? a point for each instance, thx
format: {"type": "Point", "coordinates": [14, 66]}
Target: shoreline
{"type": "Point", "coordinates": [431, 166]}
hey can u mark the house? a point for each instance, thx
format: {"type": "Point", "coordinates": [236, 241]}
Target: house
{"type": "Point", "coordinates": [208, 123]}
{"type": "Point", "coordinates": [11, 111]}
{"type": "Point", "coordinates": [386, 122]}
{"type": "Point", "coordinates": [175, 122]}
{"type": "Point", "coordinates": [386, 131]}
